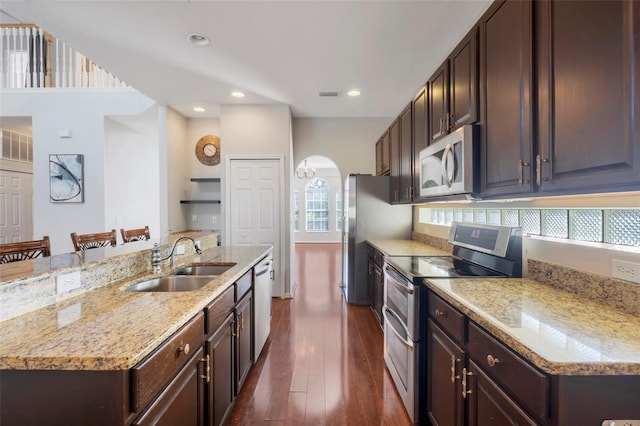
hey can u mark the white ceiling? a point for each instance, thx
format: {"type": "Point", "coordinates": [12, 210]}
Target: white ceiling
{"type": "Point", "coordinates": [274, 51]}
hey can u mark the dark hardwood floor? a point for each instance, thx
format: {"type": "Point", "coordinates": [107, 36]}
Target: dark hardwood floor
{"type": "Point", "coordinates": [322, 364]}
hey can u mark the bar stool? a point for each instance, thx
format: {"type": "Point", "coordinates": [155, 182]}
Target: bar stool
{"type": "Point", "coordinates": [139, 234]}
{"type": "Point", "coordinates": [15, 252]}
{"type": "Point", "coordinates": [89, 241]}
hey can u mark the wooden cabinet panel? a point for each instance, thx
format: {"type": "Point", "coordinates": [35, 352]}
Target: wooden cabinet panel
{"type": "Point", "coordinates": [384, 154]}
{"type": "Point", "coordinates": [444, 394]}
{"type": "Point", "coordinates": [527, 385]}
{"type": "Point", "coordinates": [244, 340]}
{"type": "Point", "coordinates": [182, 401]}
{"type": "Point", "coordinates": [438, 86]}
{"type": "Point", "coordinates": [448, 317]}
{"type": "Point", "coordinates": [421, 136]}
{"type": "Point", "coordinates": [394, 167]}
{"type": "Point", "coordinates": [216, 312]}
{"type": "Point", "coordinates": [463, 64]}
{"type": "Point", "coordinates": [379, 157]}
{"type": "Point", "coordinates": [243, 285]}
{"type": "Point", "coordinates": [153, 373]}
{"type": "Point", "coordinates": [221, 387]}
{"type": "Point", "coordinates": [588, 103]}
{"type": "Point", "coordinates": [405, 186]}
{"type": "Point", "coordinates": [505, 93]}
{"type": "Point", "coordinates": [487, 404]}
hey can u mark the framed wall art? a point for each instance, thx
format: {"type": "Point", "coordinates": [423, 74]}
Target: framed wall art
{"type": "Point", "coordinates": [66, 178]}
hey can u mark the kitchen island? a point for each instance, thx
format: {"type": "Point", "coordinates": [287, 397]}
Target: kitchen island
{"type": "Point", "coordinates": [73, 361]}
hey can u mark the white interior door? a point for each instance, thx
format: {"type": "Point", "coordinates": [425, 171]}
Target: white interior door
{"type": "Point", "coordinates": [16, 222]}
{"type": "Point", "coordinates": [255, 209]}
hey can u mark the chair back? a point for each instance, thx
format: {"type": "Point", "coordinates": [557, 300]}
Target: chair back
{"type": "Point", "coordinates": [139, 234]}
{"type": "Point", "coordinates": [14, 252]}
{"type": "Point", "coordinates": [89, 241]}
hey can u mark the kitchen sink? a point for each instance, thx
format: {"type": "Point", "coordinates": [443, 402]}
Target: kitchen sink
{"type": "Point", "coordinates": [203, 269]}
{"type": "Point", "coordinates": [171, 283]}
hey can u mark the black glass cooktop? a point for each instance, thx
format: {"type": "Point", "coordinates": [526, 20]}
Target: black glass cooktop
{"type": "Point", "coordinates": [439, 267]}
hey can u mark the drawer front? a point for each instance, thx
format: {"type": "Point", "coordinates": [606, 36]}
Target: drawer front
{"type": "Point", "coordinates": [528, 386]}
{"type": "Point", "coordinates": [151, 375]}
{"type": "Point", "coordinates": [378, 258]}
{"type": "Point", "coordinates": [448, 317]}
{"type": "Point", "coordinates": [244, 284]}
{"type": "Point", "coordinates": [216, 312]}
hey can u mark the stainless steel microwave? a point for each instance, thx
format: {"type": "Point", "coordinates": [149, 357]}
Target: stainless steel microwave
{"type": "Point", "coordinates": [451, 164]}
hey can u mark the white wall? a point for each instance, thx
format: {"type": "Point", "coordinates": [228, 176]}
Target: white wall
{"type": "Point", "coordinates": [335, 186]}
{"type": "Point", "coordinates": [262, 130]}
{"type": "Point", "coordinates": [82, 112]}
{"type": "Point", "coordinates": [349, 142]}
{"type": "Point", "coordinates": [177, 172]}
{"type": "Point", "coordinates": [132, 167]}
{"type": "Point", "coordinates": [203, 216]}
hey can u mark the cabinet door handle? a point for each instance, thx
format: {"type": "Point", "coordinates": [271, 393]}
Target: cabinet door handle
{"type": "Point", "coordinates": [241, 321]}
{"type": "Point", "coordinates": [521, 166]}
{"type": "Point", "coordinates": [449, 121]}
{"type": "Point", "coordinates": [440, 313]}
{"type": "Point", "coordinates": [442, 126]}
{"type": "Point", "coordinates": [492, 361]}
{"type": "Point", "coordinates": [453, 369]}
{"type": "Point", "coordinates": [234, 328]}
{"type": "Point", "coordinates": [465, 373]}
{"type": "Point", "coordinates": [539, 161]}
{"type": "Point", "coordinates": [207, 368]}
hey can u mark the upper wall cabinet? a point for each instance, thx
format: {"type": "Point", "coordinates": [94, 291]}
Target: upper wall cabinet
{"type": "Point", "coordinates": [401, 136]}
{"type": "Point", "coordinates": [394, 156]}
{"type": "Point", "coordinates": [453, 89]}
{"type": "Point", "coordinates": [505, 92]}
{"type": "Point", "coordinates": [382, 155]}
{"type": "Point", "coordinates": [421, 136]}
{"type": "Point", "coordinates": [589, 96]}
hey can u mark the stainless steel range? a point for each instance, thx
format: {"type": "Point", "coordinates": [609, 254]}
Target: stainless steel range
{"type": "Point", "coordinates": [478, 251]}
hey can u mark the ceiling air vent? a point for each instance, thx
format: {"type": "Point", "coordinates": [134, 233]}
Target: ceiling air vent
{"type": "Point", "coordinates": [329, 93]}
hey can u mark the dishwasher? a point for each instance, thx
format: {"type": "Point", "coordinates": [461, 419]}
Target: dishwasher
{"type": "Point", "coordinates": [262, 281]}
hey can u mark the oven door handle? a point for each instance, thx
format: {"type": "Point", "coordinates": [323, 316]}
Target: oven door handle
{"type": "Point", "coordinates": [396, 279]}
{"type": "Point", "coordinates": [406, 342]}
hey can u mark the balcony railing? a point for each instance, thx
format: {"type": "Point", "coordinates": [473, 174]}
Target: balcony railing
{"type": "Point", "coordinates": [32, 58]}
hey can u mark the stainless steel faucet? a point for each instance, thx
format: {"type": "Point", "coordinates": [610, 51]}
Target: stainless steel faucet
{"type": "Point", "coordinates": [156, 258]}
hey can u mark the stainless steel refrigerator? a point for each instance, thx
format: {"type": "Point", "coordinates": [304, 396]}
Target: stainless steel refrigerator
{"type": "Point", "coordinates": [368, 216]}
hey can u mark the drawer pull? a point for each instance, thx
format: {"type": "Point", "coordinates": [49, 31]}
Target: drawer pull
{"type": "Point", "coordinates": [492, 361]}
{"type": "Point", "coordinates": [207, 368]}
{"type": "Point", "coordinates": [440, 313]}
{"type": "Point", "coordinates": [184, 348]}
{"type": "Point", "coordinates": [465, 373]}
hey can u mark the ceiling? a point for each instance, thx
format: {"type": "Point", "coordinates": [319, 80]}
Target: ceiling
{"type": "Point", "coordinates": [273, 51]}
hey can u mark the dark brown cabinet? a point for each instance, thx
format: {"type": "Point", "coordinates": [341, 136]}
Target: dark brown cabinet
{"type": "Point", "coordinates": [182, 401]}
{"type": "Point", "coordinates": [382, 155]}
{"type": "Point", "coordinates": [394, 156]}
{"type": "Point", "coordinates": [444, 394]}
{"type": "Point", "coordinates": [453, 89]}
{"type": "Point", "coordinates": [588, 55]}
{"type": "Point", "coordinates": [221, 390]}
{"type": "Point", "coordinates": [505, 93]}
{"type": "Point", "coordinates": [401, 137]}
{"type": "Point", "coordinates": [375, 280]}
{"type": "Point", "coordinates": [244, 339]}
{"type": "Point", "coordinates": [421, 136]}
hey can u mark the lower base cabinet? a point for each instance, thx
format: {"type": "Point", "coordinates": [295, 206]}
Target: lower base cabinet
{"type": "Point", "coordinates": [244, 339]}
{"type": "Point", "coordinates": [221, 389]}
{"type": "Point", "coordinates": [473, 378]}
{"type": "Point", "coordinates": [182, 401]}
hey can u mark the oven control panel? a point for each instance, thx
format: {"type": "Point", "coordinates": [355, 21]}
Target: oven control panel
{"type": "Point", "coordinates": [620, 423]}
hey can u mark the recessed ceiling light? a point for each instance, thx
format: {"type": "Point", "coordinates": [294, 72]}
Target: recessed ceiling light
{"type": "Point", "coordinates": [198, 39]}
{"type": "Point", "coordinates": [199, 109]}
{"type": "Point", "coordinates": [237, 94]}
{"type": "Point", "coordinates": [353, 92]}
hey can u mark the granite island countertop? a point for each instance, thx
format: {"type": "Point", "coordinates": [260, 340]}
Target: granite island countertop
{"type": "Point", "coordinates": [112, 329]}
{"type": "Point", "coordinates": [557, 331]}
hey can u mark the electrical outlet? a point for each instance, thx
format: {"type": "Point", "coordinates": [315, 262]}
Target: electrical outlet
{"type": "Point", "coordinates": [214, 219]}
{"type": "Point", "coordinates": [68, 282]}
{"type": "Point", "coordinates": [194, 218]}
{"type": "Point", "coordinates": [625, 270]}
{"type": "Point", "coordinates": [180, 249]}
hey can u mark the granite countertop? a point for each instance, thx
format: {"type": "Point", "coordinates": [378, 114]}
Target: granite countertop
{"type": "Point", "coordinates": [406, 248]}
{"type": "Point", "coordinates": [109, 328]}
{"type": "Point", "coordinates": [556, 330]}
